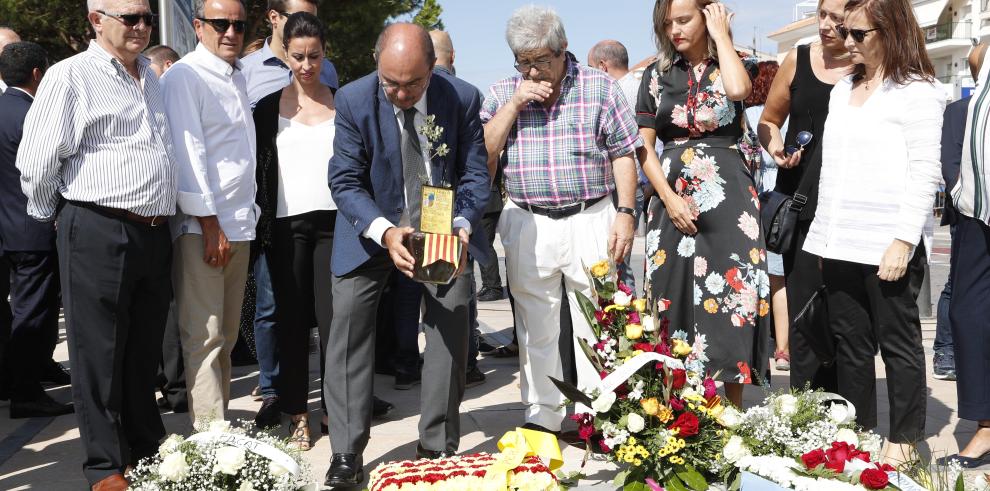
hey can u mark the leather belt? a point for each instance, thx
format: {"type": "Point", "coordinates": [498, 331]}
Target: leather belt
{"type": "Point", "coordinates": [155, 221]}
{"type": "Point", "coordinates": [559, 212]}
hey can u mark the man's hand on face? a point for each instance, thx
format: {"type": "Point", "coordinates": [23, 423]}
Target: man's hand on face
{"type": "Point", "coordinates": [530, 91]}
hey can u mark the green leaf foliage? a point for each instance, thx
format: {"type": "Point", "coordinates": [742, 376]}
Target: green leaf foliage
{"type": "Point", "coordinates": [588, 309]}
{"type": "Point", "coordinates": [692, 478]}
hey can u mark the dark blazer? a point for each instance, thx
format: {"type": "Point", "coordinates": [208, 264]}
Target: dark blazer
{"type": "Point", "coordinates": [366, 169]}
{"type": "Point", "coordinates": [953, 132]}
{"type": "Point", "coordinates": [266, 172]}
{"type": "Point", "coordinates": [18, 231]}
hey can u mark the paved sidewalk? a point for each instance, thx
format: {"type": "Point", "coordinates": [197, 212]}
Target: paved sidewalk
{"type": "Point", "coordinates": [45, 454]}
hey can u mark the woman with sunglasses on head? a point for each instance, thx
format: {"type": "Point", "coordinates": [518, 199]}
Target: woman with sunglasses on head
{"type": "Point", "coordinates": [705, 254]}
{"type": "Point", "coordinates": [295, 131]}
{"type": "Point", "coordinates": [800, 95]}
{"type": "Point", "coordinates": [880, 171]}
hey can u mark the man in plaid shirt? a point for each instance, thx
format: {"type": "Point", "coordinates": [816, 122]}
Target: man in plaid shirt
{"type": "Point", "coordinates": [567, 141]}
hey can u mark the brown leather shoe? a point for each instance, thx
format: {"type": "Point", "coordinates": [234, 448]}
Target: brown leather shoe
{"type": "Point", "coordinates": [115, 482]}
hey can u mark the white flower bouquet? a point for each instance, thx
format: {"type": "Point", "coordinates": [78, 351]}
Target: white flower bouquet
{"type": "Point", "coordinates": [220, 456]}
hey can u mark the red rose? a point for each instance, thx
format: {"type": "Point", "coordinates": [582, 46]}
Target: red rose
{"type": "Point", "coordinates": [874, 479]}
{"type": "Point", "coordinates": [680, 378]}
{"type": "Point", "coordinates": [676, 404]}
{"type": "Point", "coordinates": [687, 423]}
{"type": "Point", "coordinates": [836, 465]}
{"type": "Point", "coordinates": [624, 288]}
{"type": "Point", "coordinates": [813, 458]}
{"type": "Point", "coordinates": [885, 467]}
{"type": "Point", "coordinates": [634, 318]}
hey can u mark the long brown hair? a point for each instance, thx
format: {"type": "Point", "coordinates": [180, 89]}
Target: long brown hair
{"type": "Point", "coordinates": [665, 48]}
{"type": "Point", "coordinates": [904, 55]}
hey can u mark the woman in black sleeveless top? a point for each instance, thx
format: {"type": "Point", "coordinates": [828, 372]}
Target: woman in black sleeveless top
{"type": "Point", "coordinates": [800, 95]}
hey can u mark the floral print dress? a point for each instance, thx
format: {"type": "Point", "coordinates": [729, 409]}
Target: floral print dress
{"type": "Point", "coordinates": [715, 283]}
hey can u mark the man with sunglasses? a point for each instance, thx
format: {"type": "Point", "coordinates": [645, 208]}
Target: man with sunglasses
{"type": "Point", "coordinates": [265, 69]}
{"type": "Point", "coordinates": [95, 156]}
{"type": "Point", "coordinates": [210, 118]}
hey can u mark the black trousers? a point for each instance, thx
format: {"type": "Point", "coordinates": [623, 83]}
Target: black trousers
{"type": "Point", "coordinates": [490, 277]}
{"type": "Point", "coordinates": [5, 321]}
{"type": "Point", "coordinates": [806, 333]}
{"type": "Point", "coordinates": [116, 286]}
{"type": "Point", "coordinates": [34, 288]}
{"type": "Point", "coordinates": [866, 313]}
{"type": "Point", "coordinates": [171, 373]}
{"type": "Point", "coordinates": [300, 271]}
{"type": "Point", "coordinates": [969, 314]}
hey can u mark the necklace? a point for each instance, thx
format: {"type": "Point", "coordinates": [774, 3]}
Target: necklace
{"type": "Point", "coordinates": [868, 81]}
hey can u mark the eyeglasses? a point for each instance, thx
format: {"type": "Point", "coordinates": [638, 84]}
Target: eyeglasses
{"type": "Point", "coordinates": [858, 34]}
{"type": "Point", "coordinates": [221, 25]}
{"type": "Point", "coordinates": [410, 87]}
{"type": "Point", "coordinates": [539, 65]}
{"type": "Point", "coordinates": [131, 20]}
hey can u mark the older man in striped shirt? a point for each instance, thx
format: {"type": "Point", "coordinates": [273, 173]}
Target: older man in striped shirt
{"type": "Point", "coordinates": [568, 138]}
{"type": "Point", "coordinates": [95, 158]}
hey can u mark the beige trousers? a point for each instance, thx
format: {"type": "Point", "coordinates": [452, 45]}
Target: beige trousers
{"type": "Point", "coordinates": [209, 301]}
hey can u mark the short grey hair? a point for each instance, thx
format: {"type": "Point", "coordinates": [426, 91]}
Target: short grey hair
{"type": "Point", "coordinates": [613, 53]}
{"type": "Point", "coordinates": [533, 27]}
{"type": "Point", "coordinates": [199, 7]}
{"type": "Point", "coordinates": [94, 5]}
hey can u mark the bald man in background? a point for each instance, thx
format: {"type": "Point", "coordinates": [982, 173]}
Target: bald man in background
{"type": "Point", "coordinates": [7, 36]}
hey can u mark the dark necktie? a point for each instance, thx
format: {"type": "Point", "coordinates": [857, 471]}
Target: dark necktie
{"type": "Point", "coordinates": [413, 167]}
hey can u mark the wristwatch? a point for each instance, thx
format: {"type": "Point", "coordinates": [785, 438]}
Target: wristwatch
{"type": "Point", "coordinates": [629, 211]}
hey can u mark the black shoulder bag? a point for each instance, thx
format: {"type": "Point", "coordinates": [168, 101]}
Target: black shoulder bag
{"type": "Point", "coordinates": [779, 214]}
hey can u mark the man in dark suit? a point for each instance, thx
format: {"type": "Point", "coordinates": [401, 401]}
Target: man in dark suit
{"type": "Point", "coordinates": [28, 245]}
{"type": "Point", "coordinates": [953, 131]}
{"type": "Point", "coordinates": [376, 175]}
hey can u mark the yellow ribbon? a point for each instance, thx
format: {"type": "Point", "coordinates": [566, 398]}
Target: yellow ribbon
{"type": "Point", "coordinates": [515, 446]}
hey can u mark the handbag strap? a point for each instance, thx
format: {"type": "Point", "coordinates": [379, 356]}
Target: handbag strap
{"type": "Point", "coordinates": [808, 179]}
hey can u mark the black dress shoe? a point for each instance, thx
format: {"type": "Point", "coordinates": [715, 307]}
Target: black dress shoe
{"type": "Point", "coordinates": [53, 373]}
{"type": "Point", "coordinates": [345, 470]}
{"type": "Point", "coordinates": [490, 294]}
{"type": "Point", "coordinates": [380, 408]}
{"type": "Point", "coordinates": [473, 378]}
{"type": "Point", "coordinates": [422, 453]}
{"type": "Point", "coordinates": [43, 406]}
{"type": "Point", "coordinates": [270, 414]}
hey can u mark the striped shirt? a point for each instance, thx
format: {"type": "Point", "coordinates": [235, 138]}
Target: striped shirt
{"type": "Point", "coordinates": [563, 155]}
{"type": "Point", "coordinates": [880, 171]}
{"type": "Point", "coordinates": [971, 194]}
{"type": "Point", "coordinates": [97, 135]}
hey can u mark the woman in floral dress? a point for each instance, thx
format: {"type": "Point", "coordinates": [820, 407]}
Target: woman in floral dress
{"type": "Point", "coordinates": [705, 254]}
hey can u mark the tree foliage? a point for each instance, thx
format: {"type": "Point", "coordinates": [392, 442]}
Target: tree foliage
{"type": "Point", "coordinates": [60, 26]}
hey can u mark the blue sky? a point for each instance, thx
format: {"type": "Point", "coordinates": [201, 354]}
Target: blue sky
{"type": "Point", "coordinates": [478, 29]}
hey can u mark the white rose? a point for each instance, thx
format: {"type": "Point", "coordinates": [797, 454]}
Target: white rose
{"type": "Point", "coordinates": [603, 403]}
{"type": "Point", "coordinates": [787, 405]}
{"type": "Point", "coordinates": [246, 486]}
{"type": "Point", "coordinates": [735, 449]}
{"type": "Point", "coordinates": [170, 445]}
{"type": "Point", "coordinates": [230, 460]}
{"type": "Point", "coordinates": [649, 325]}
{"type": "Point", "coordinates": [277, 470]}
{"type": "Point", "coordinates": [841, 414]}
{"type": "Point", "coordinates": [219, 426]}
{"type": "Point", "coordinates": [174, 467]}
{"type": "Point", "coordinates": [730, 417]}
{"type": "Point", "coordinates": [635, 423]}
{"type": "Point", "coordinates": [848, 436]}
{"type": "Point", "coordinates": [622, 299]}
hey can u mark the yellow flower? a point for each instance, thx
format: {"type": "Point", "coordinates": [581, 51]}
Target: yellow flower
{"type": "Point", "coordinates": [754, 255]}
{"type": "Point", "coordinates": [634, 331]}
{"type": "Point", "coordinates": [600, 269]}
{"type": "Point", "coordinates": [681, 348]}
{"type": "Point", "coordinates": [764, 308]}
{"type": "Point", "coordinates": [665, 414]}
{"type": "Point", "coordinates": [614, 307]}
{"type": "Point", "coordinates": [687, 156]}
{"type": "Point", "coordinates": [660, 257]}
{"type": "Point", "coordinates": [715, 74]}
{"type": "Point", "coordinates": [639, 304]}
{"type": "Point", "coordinates": [711, 306]}
{"type": "Point", "coordinates": [650, 406]}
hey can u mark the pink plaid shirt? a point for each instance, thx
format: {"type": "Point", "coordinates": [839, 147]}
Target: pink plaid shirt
{"type": "Point", "coordinates": [563, 154]}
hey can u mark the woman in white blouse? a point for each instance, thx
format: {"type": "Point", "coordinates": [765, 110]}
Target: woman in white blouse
{"type": "Point", "coordinates": [295, 130]}
{"type": "Point", "coordinates": [880, 171]}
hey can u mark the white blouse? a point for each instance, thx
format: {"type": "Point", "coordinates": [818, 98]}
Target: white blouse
{"type": "Point", "coordinates": [880, 171]}
{"type": "Point", "coordinates": [303, 160]}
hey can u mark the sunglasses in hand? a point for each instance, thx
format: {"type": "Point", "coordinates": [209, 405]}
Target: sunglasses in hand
{"type": "Point", "coordinates": [803, 138]}
{"type": "Point", "coordinates": [131, 20]}
{"type": "Point", "coordinates": [221, 25]}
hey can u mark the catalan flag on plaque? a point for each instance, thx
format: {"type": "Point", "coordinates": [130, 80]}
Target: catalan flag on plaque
{"type": "Point", "coordinates": [438, 247]}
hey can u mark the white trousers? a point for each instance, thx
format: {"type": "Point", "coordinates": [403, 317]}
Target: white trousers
{"type": "Point", "coordinates": [543, 258]}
